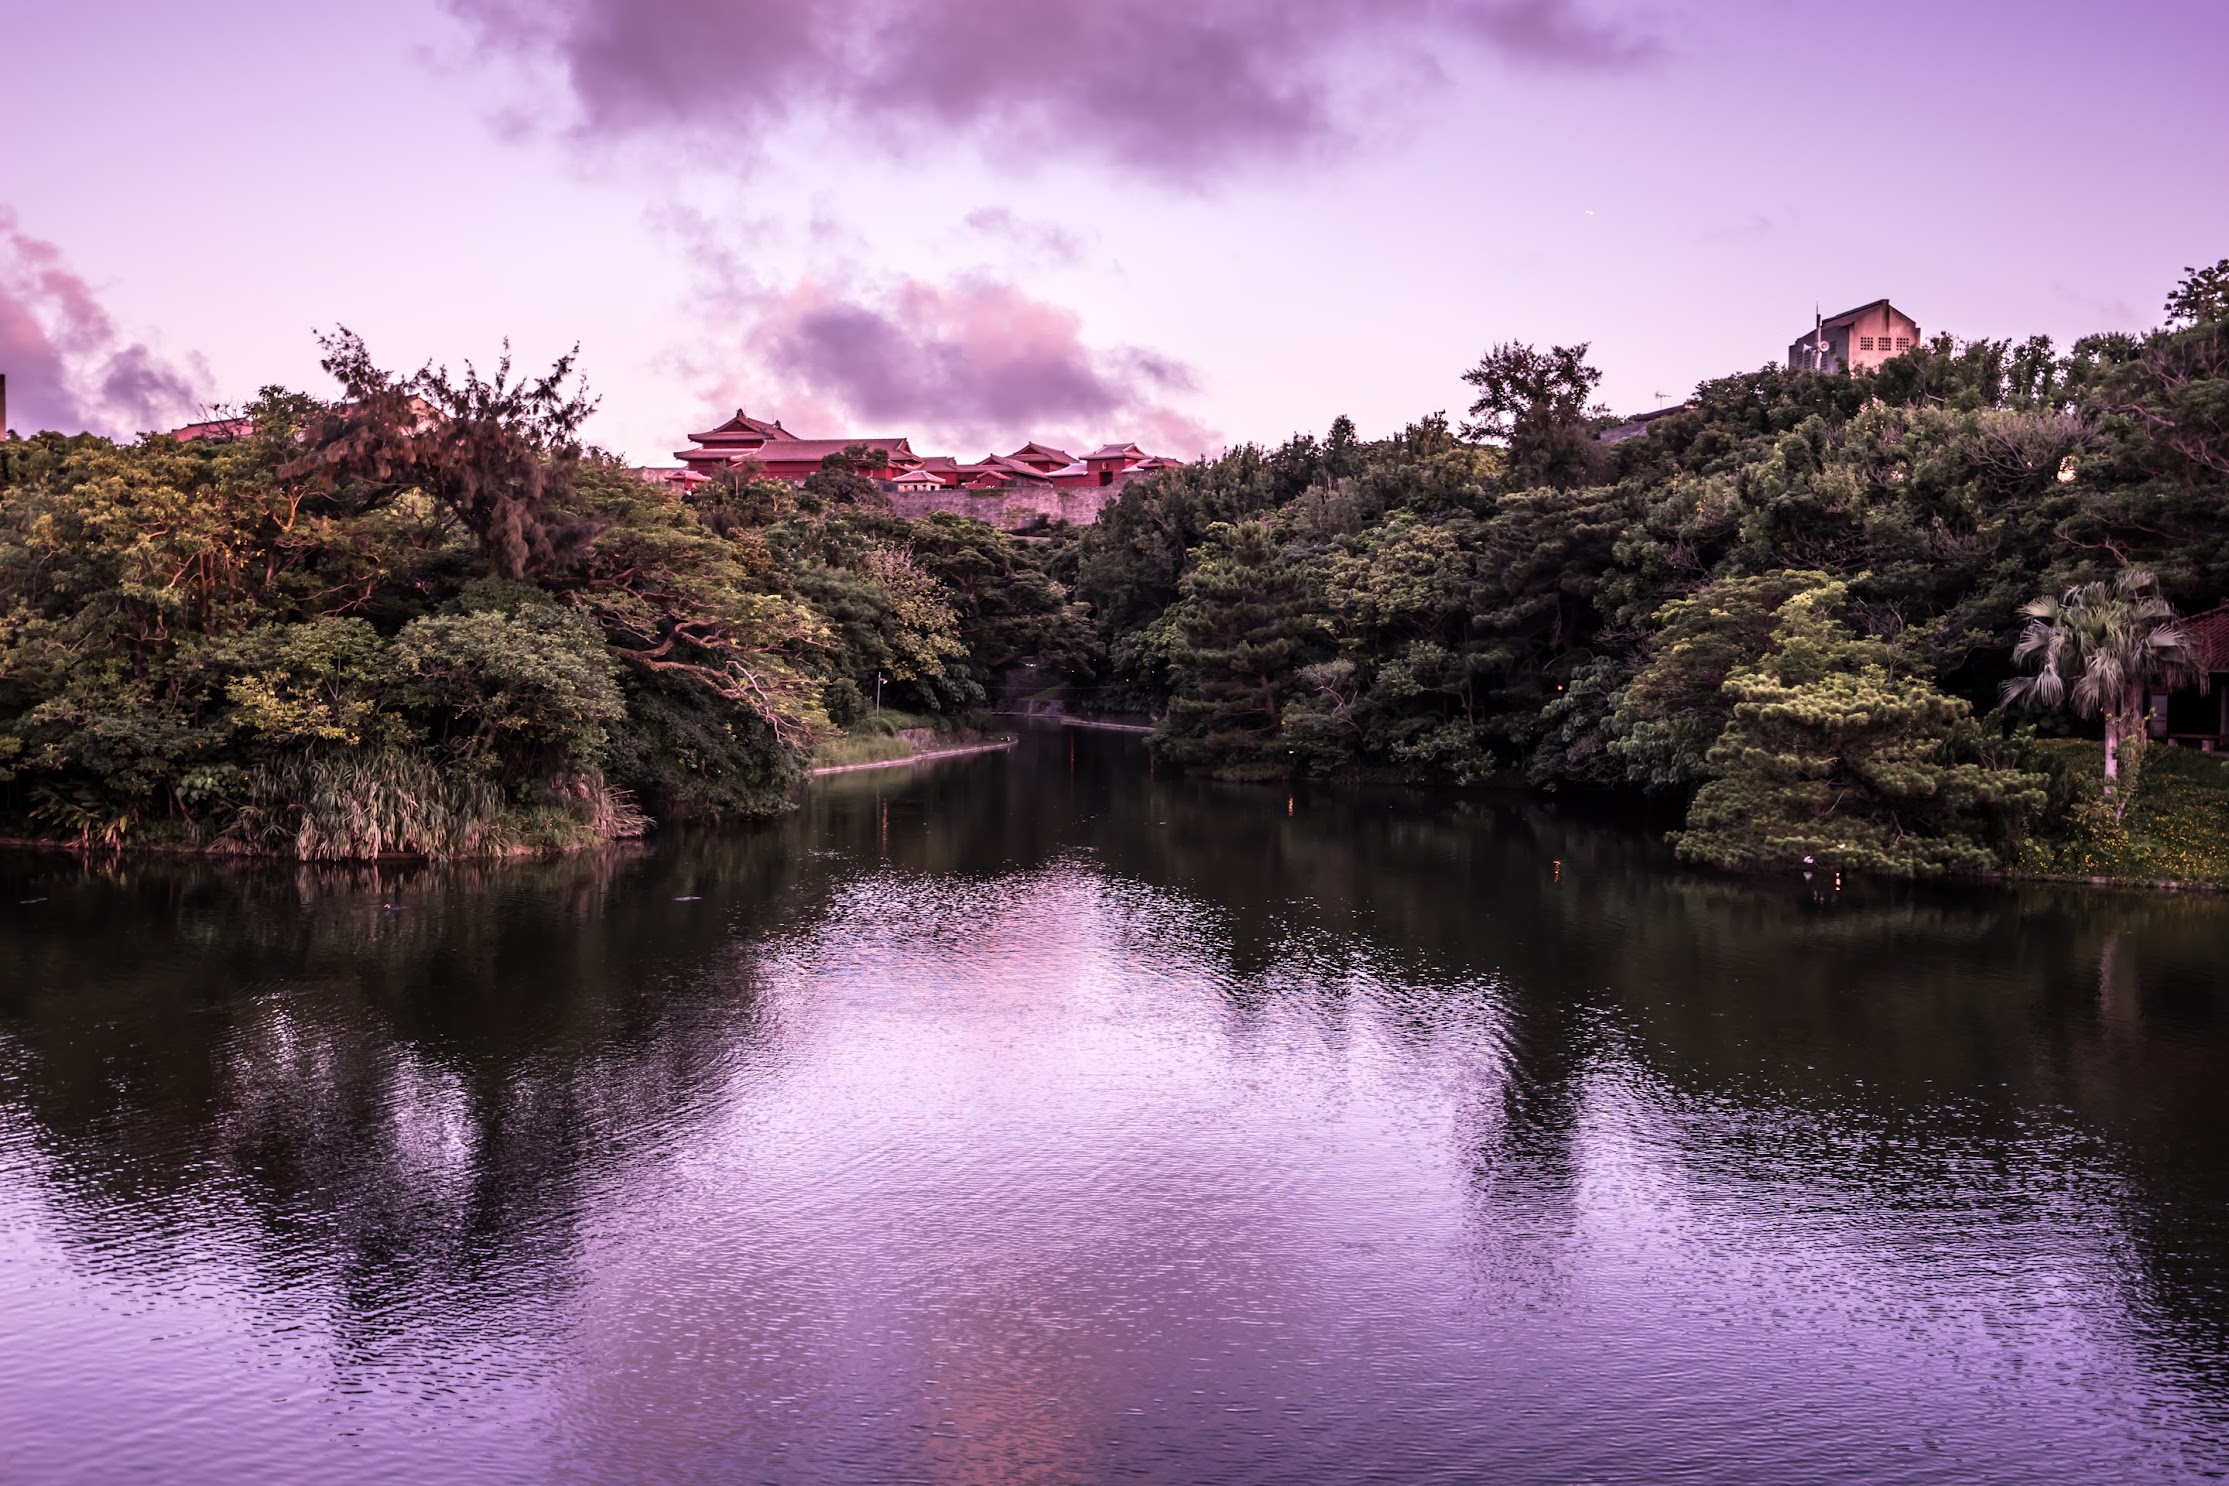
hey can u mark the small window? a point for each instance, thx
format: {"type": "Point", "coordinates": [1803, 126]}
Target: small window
{"type": "Point", "coordinates": [1865, 343]}
{"type": "Point", "coordinates": [1903, 344]}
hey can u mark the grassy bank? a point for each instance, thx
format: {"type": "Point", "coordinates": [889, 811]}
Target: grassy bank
{"type": "Point", "coordinates": [889, 734]}
{"type": "Point", "coordinates": [2175, 829]}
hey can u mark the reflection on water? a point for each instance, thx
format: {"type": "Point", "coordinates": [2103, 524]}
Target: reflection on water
{"type": "Point", "coordinates": [1031, 1118]}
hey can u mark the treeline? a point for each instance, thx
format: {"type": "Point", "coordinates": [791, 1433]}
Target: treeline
{"type": "Point", "coordinates": [1794, 601]}
{"type": "Point", "coordinates": [424, 619]}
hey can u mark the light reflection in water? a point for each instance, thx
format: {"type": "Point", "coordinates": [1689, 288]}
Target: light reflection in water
{"type": "Point", "coordinates": [1043, 1119]}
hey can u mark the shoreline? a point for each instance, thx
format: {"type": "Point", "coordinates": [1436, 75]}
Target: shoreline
{"type": "Point", "coordinates": [1143, 730]}
{"type": "Point", "coordinates": [2125, 884]}
{"type": "Point", "coordinates": [269, 858]}
{"type": "Point", "coordinates": [913, 758]}
{"type": "Point", "coordinates": [1067, 720]}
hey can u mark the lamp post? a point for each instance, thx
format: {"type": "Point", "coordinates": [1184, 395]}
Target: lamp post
{"type": "Point", "coordinates": [878, 691]}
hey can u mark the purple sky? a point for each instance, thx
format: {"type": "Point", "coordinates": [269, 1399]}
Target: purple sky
{"type": "Point", "coordinates": [977, 221]}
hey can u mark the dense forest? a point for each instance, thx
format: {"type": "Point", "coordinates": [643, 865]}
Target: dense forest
{"type": "Point", "coordinates": [1794, 602]}
{"type": "Point", "coordinates": [424, 618]}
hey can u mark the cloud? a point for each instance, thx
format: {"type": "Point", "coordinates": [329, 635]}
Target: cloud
{"type": "Point", "coordinates": [1556, 33]}
{"type": "Point", "coordinates": [1037, 242]}
{"type": "Point", "coordinates": [1174, 88]}
{"type": "Point", "coordinates": [978, 362]}
{"type": "Point", "coordinates": [67, 366]}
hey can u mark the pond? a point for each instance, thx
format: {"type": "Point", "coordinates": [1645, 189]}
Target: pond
{"type": "Point", "coordinates": [1039, 1117]}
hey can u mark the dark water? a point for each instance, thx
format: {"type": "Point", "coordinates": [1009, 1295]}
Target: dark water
{"type": "Point", "coordinates": [1032, 1119]}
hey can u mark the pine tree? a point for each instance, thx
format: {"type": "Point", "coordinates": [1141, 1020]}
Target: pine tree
{"type": "Point", "coordinates": [1248, 620]}
{"type": "Point", "coordinates": [1832, 757]}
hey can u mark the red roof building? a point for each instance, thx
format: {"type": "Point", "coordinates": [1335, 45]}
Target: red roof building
{"type": "Point", "coordinates": [2199, 714]}
{"type": "Point", "coordinates": [1036, 481]}
{"type": "Point", "coordinates": [679, 476]}
{"type": "Point", "coordinates": [2209, 636]}
{"type": "Point", "coordinates": [1042, 458]}
{"type": "Point", "coordinates": [219, 429]}
{"type": "Point", "coordinates": [1855, 340]}
{"type": "Point", "coordinates": [782, 454]}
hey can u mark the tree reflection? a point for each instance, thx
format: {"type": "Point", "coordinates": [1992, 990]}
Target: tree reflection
{"type": "Point", "coordinates": [405, 1076]}
{"type": "Point", "coordinates": [414, 1083]}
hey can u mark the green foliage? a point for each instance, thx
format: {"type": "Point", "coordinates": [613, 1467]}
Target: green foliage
{"type": "Point", "coordinates": [530, 687]}
{"type": "Point", "coordinates": [435, 569]}
{"type": "Point", "coordinates": [1246, 623]}
{"type": "Point", "coordinates": [2202, 298]}
{"type": "Point", "coordinates": [1501, 602]}
{"type": "Point", "coordinates": [2172, 824]}
{"type": "Point", "coordinates": [1834, 758]}
{"type": "Point", "coordinates": [425, 619]}
{"type": "Point", "coordinates": [1670, 715]}
{"type": "Point", "coordinates": [322, 684]}
{"type": "Point", "coordinates": [2098, 649]}
{"type": "Point", "coordinates": [499, 454]}
{"type": "Point", "coordinates": [1007, 608]}
{"type": "Point", "coordinates": [1538, 406]}
{"type": "Point", "coordinates": [689, 755]}
{"type": "Point", "coordinates": [889, 734]}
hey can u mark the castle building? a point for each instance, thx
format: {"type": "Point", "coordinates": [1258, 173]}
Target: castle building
{"type": "Point", "coordinates": [782, 454]}
{"type": "Point", "coordinates": [1855, 340]}
{"type": "Point", "coordinates": [1035, 482]}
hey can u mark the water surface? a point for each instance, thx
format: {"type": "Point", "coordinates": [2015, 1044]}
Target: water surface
{"type": "Point", "coordinates": [1033, 1118]}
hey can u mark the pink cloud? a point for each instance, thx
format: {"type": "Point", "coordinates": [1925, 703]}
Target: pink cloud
{"type": "Point", "coordinates": [67, 367]}
{"type": "Point", "coordinates": [1175, 88]}
{"type": "Point", "coordinates": [977, 362]}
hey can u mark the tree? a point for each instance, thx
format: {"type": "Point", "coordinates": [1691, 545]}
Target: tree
{"type": "Point", "coordinates": [2175, 388]}
{"type": "Point", "coordinates": [501, 455]}
{"type": "Point", "coordinates": [2202, 297]}
{"type": "Point", "coordinates": [1010, 610]}
{"type": "Point", "coordinates": [838, 482]}
{"type": "Point", "coordinates": [1538, 406]}
{"type": "Point", "coordinates": [2101, 646]}
{"type": "Point", "coordinates": [1670, 715]}
{"type": "Point", "coordinates": [1248, 621]}
{"type": "Point", "coordinates": [1834, 758]}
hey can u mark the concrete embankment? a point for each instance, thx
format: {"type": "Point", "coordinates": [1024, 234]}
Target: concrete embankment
{"type": "Point", "coordinates": [931, 756]}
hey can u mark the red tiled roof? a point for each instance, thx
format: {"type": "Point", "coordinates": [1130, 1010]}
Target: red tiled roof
{"type": "Point", "coordinates": [215, 428]}
{"type": "Point", "coordinates": [743, 424]}
{"type": "Point", "coordinates": [1005, 465]}
{"type": "Point", "coordinates": [2209, 636]}
{"type": "Point", "coordinates": [792, 450]}
{"type": "Point", "coordinates": [1847, 316]}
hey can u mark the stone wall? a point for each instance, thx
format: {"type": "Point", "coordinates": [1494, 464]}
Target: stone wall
{"type": "Point", "coordinates": [1010, 510]}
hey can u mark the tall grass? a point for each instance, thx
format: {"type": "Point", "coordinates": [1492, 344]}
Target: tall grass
{"type": "Point", "coordinates": [853, 748]}
{"type": "Point", "coordinates": [352, 806]}
{"type": "Point", "coordinates": [361, 806]}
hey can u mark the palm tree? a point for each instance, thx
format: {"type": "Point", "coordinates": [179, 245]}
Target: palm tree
{"type": "Point", "coordinates": [2114, 641]}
